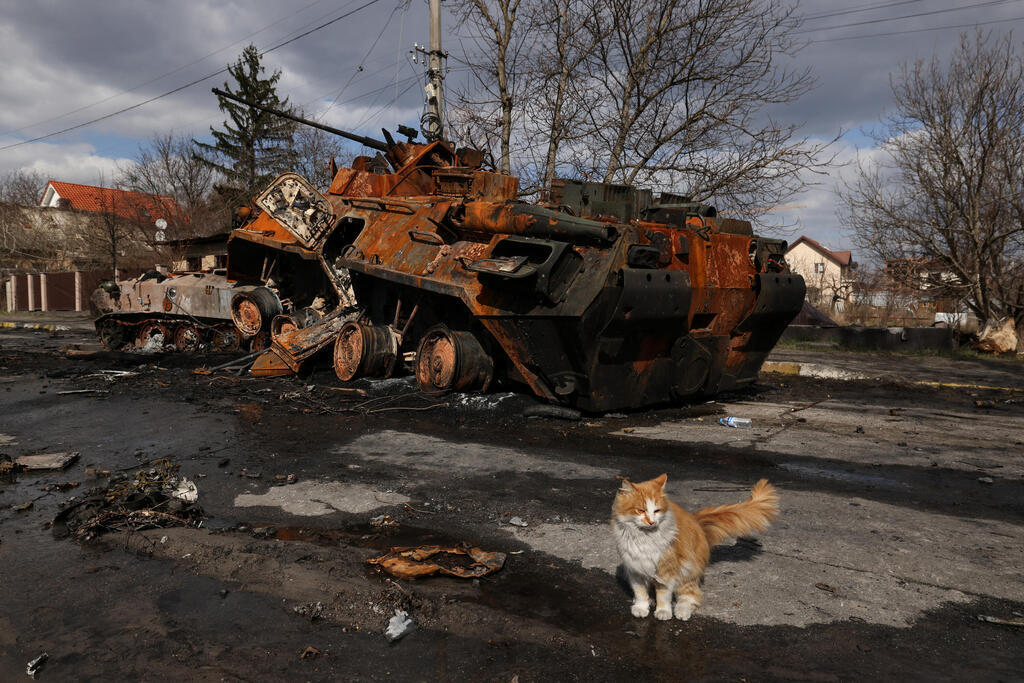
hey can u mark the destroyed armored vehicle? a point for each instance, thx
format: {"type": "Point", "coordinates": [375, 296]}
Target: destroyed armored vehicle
{"type": "Point", "coordinates": [604, 298]}
{"type": "Point", "coordinates": [181, 311]}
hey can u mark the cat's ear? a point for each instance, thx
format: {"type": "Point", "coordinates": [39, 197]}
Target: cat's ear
{"type": "Point", "coordinates": [660, 481]}
{"type": "Point", "coordinates": [627, 486]}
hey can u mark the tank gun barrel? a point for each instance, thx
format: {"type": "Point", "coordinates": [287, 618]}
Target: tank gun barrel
{"type": "Point", "coordinates": [361, 139]}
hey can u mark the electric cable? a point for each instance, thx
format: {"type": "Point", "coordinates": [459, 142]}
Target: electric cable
{"type": "Point", "coordinates": [161, 76]}
{"type": "Point", "coordinates": [183, 87]}
{"type": "Point", "coordinates": [918, 30]}
{"type": "Point", "coordinates": [977, 5]}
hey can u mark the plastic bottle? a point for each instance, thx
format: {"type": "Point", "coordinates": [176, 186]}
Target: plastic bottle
{"type": "Point", "coordinates": [737, 422]}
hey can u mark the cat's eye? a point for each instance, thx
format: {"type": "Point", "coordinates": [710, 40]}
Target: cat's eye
{"type": "Point", "coordinates": [657, 511]}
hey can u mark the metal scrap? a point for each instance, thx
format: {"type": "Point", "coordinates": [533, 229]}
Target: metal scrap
{"type": "Point", "coordinates": [426, 560]}
{"type": "Point", "coordinates": [156, 498]}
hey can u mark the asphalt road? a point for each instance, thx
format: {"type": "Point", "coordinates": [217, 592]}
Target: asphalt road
{"type": "Point", "coordinates": [902, 522]}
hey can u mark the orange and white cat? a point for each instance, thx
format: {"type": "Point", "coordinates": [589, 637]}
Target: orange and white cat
{"type": "Point", "coordinates": [663, 545]}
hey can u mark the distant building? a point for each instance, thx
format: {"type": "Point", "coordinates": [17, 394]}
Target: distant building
{"type": "Point", "coordinates": [198, 253]}
{"type": "Point", "coordinates": [125, 203]}
{"type": "Point", "coordinates": [828, 274]}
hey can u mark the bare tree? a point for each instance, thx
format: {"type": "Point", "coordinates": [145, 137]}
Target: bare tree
{"type": "Point", "coordinates": [167, 166]}
{"type": "Point", "coordinates": [312, 151]}
{"type": "Point", "coordinates": [26, 240]}
{"type": "Point", "coordinates": [681, 91]}
{"type": "Point", "coordinates": [950, 189]}
{"type": "Point", "coordinates": [113, 236]}
{"type": "Point", "coordinates": [499, 36]}
{"type": "Point", "coordinates": [556, 109]}
{"type": "Point", "coordinates": [22, 187]}
{"type": "Point", "coordinates": [671, 93]}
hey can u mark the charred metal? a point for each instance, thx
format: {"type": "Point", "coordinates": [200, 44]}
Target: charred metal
{"type": "Point", "coordinates": [604, 297]}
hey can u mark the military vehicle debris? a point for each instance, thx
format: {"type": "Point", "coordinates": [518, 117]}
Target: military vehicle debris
{"type": "Point", "coordinates": [606, 297]}
{"type": "Point", "coordinates": [421, 260]}
{"type": "Point", "coordinates": [183, 311]}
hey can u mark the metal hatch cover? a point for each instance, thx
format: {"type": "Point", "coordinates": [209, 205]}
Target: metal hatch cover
{"type": "Point", "coordinates": [297, 205]}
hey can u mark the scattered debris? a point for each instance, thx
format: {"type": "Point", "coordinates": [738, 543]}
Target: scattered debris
{"type": "Point", "coordinates": [186, 491]}
{"type": "Point", "coordinates": [383, 522]}
{"type": "Point", "coordinates": [47, 461]}
{"type": "Point", "coordinates": [997, 620]}
{"type": "Point", "coordinates": [36, 664]}
{"type": "Point", "coordinates": [737, 422]}
{"type": "Point", "coordinates": [146, 502]}
{"type": "Point", "coordinates": [399, 625]}
{"type": "Point", "coordinates": [859, 429]}
{"type": "Point", "coordinates": [985, 480]}
{"type": "Point", "coordinates": [310, 653]}
{"type": "Point", "coordinates": [825, 587]}
{"type": "Point", "coordinates": [311, 610]}
{"type": "Point", "coordinates": [22, 507]}
{"type": "Point", "coordinates": [68, 392]}
{"type": "Point", "coordinates": [411, 563]}
{"type": "Point", "coordinates": [517, 521]}
{"type": "Point", "coordinates": [62, 486]}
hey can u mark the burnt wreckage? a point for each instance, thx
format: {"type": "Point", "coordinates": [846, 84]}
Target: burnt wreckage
{"type": "Point", "coordinates": [606, 297]}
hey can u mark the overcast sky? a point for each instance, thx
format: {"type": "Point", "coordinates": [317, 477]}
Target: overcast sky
{"type": "Point", "coordinates": [67, 62]}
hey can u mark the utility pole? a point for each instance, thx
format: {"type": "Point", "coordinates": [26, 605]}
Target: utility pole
{"type": "Point", "coordinates": [432, 122]}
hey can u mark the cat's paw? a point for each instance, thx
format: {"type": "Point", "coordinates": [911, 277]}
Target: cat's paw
{"type": "Point", "coordinates": [684, 610]}
{"type": "Point", "coordinates": [640, 609]}
{"type": "Point", "coordinates": [663, 614]}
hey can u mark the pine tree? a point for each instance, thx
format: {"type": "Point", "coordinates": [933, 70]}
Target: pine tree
{"type": "Point", "coordinates": [254, 146]}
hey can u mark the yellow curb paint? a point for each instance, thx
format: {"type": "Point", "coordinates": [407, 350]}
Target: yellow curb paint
{"type": "Point", "coordinates": [8, 326]}
{"type": "Point", "coordinates": [780, 368]}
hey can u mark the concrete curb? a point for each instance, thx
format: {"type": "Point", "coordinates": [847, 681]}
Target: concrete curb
{"type": "Point", "coordinates": [47, 327]}
{"type": "Point", "coordinates": [815, 370]}
{"type": "Point", "coordinates": [819, 371]}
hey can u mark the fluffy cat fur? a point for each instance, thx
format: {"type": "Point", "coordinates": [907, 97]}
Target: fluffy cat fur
{"type": "Point", "coordinates": [664, 545]}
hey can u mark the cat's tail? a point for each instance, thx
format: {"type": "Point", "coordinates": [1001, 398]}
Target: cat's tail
{"type": "Point", "coordinates": [741, 519]}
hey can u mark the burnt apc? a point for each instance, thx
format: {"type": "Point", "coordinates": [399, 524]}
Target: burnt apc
{"type": "Point", "coordinates": [605, 297]}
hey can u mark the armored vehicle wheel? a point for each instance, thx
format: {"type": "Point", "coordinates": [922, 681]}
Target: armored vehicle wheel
{"type": "Point", "coordinates": [226, 338]}
{"type": "Point", "coordinates": [187, 337]}
{"type": "Point", "coordinates": [252, 311]}
{"type": "Point", "coordinates": [365, 351]}
{"type": "Point", "coordinates": [148, 332]}
{"type": "Point", "coordinates": [259, 342]}
{"type": "Point", "coordinates": [452, 360]}
{"type": "Point", "coordinates": [283, 324]}
{"type": "Point", "coordinates": [112, 335]}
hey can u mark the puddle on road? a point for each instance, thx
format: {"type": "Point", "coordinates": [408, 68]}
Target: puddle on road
{"type": "Point", "coordinates": [362, 536]}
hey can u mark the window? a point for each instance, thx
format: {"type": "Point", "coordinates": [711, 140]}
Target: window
{"type": "Point", "coordinates": [819, 267]}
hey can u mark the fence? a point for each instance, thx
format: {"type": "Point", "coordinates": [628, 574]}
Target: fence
{"type": "Point", "coordinates": [52, 291]}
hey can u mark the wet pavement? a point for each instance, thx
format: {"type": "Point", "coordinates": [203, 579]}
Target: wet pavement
{"type": "Point", "coordinates": [902, 522]}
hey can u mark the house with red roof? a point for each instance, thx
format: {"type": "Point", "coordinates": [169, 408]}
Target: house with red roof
{"type": "Point", "coordinates": [141, 208]}
{"type": "Point", "coordinates": [828, 274]}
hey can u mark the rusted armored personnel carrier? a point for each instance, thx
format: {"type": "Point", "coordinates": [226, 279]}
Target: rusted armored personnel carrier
{"type": "Point", "coordinates": [182, 311]}
{"type": "Point", "coordinates": [607, 297]}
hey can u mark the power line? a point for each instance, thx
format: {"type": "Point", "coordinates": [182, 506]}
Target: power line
{"type": "Point", "coordinates": [360, 65]}
{"type": "Point", "coordinates": [862, 8]}
{"type": "Point", "coordinates": [187, 85]}
{"type": "Point", "coordinates": [987, 3]}
{"type": "Point", "coordinates": [163, 75]}
{"type": "Point", "coordinates": [919, 30]}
